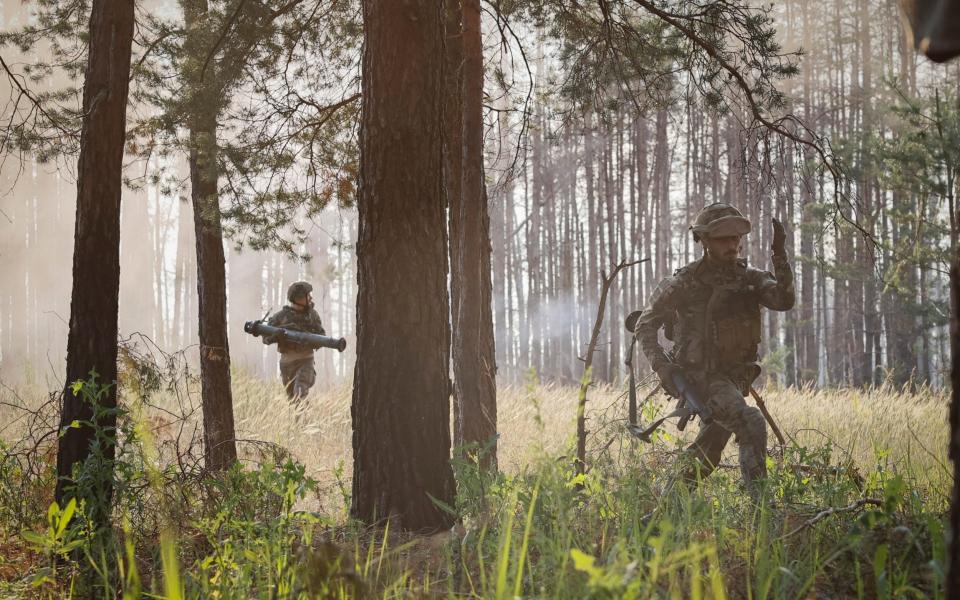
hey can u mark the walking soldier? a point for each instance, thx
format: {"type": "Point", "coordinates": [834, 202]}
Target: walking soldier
{"type": "Point", "coordinates": [296, 360]}
{"type": "Point", "coordinates": [711, 310]}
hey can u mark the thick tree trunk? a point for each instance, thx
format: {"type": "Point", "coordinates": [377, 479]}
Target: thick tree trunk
{"type": "Point", "coordinates": [217, 399]}
{"type": "Point", "coordinates": [401, 393]}
{"type": "Point", "coordinates": [453, 163]}
{"type": "Point", "coordinates": [474, 366]}
{"type": "Point", "coordinates": [92, 341]}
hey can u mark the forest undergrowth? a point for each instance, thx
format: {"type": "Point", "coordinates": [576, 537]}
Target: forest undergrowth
{"type": "Point", "coordinates": [854, 506]}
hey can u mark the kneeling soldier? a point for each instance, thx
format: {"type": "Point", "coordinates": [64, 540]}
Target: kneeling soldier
{"type": "Point", "coordinates": [713, 307]}
{"type": "Point", "coordinates": [296, 360]}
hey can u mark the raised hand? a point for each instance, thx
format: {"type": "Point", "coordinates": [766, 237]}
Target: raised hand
{"type": "Point", "coordinates": [779, 239]}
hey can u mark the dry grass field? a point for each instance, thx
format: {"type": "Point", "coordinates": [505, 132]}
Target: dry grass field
{"type": "Point", "coordinates": [526, 532]}
{"type": "Point", "coordinates": [909, 429]}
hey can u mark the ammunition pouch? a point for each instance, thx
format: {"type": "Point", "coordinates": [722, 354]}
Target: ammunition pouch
{"type": "Point", "coordinates": [737, 340]}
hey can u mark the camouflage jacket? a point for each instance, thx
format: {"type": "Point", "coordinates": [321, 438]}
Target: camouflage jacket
{"type": "Point", "coordinates": [712, 314]}
{"type": "Point", "coordinates": [291, 318]}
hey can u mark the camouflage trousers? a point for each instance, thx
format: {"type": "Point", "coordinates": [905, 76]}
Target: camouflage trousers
{"type": "Point", "coordinates": [298, 377]}
{"type": "Point", "coordinates": [731, 415]}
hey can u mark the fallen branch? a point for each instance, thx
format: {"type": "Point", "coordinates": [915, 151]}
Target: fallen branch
{"type": "Point", "coordinates": [823, 514]}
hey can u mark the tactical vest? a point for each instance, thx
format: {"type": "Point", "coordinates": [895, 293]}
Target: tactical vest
{"type": "Point", "coordinates": [307, 321]}
{"type": "Point", "coordinates": [717, 320]}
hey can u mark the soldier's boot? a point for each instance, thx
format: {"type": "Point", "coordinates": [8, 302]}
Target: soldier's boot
{"type": "Point", "coordinates": [753, 451]}
{"type": "Point", "coordinates": [703, 455]}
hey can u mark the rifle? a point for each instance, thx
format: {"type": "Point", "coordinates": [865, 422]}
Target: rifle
{"type": "Point", "coordinates": [688, 406]}
{"type": "Point", "coordinates": [313, 340]}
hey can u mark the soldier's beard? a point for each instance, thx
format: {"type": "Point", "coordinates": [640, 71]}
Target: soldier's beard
{"type": "Point", "coordinates": [726, 258]}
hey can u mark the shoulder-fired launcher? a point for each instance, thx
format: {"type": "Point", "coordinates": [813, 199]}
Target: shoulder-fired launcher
{"type": "Point", "coordinates": [313, 340]}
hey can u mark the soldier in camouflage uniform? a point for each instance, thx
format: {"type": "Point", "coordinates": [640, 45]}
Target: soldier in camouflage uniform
{"type": "Point", "coordinates": [711, 310]}
{"type": "Point", "coordinates": [296, 360]}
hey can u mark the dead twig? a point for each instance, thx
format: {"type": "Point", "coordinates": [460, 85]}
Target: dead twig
{"type": "Point", "coordinates": [823, 514]}
{"type": "Point", "coordinates": [588, 363]}
{"type": "Point", "coordinates": [766, 415]}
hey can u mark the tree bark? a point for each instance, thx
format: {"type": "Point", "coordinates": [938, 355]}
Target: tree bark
{"type": "Point", "coordinates": [453, 156]}
{"type": "Point", "coordinates": [217, 398]}
{"type": "Point", "coordinates": [474, 359]}
{"type": "Point", "coordinates": [92, 341]}
{"type": "Point", "coordinates": [953, 536]}
{"type": "Point", "coordinates": [401, 393]}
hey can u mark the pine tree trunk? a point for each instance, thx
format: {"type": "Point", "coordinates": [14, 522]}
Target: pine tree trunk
{"type": "Point", "coordinates": [401, 394]}
{"type": "Point", "coordinates": [474, 367]}
{"type": "Point", "coordinates": [184, 272]}
{"type": "Point", "coordinates": [592, 250]}
{"type": "Point", "coordinates": [808, 350]}
{"type": "Point", "coordinates": [474, 353]}
{"type": "Point", "coordinates": [217, 399]}
{"type": "Point", "coordinates": [453, 167]}
{"type": "Point", "coordinates": [534, 245]}
{"type": "Point", "coordinates": [92, 341]}
{"type": "Point", "coordinates": [870, 370]}
{"type": "Point", "coordinates": [500, 238]}
{"type": "Point", "coordinates": [952, 584]}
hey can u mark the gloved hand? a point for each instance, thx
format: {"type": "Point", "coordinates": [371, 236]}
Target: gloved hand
{"type": "Point", "coordinates": [779, 239]}
{"type": "Point", "coordinates": [666, 373]}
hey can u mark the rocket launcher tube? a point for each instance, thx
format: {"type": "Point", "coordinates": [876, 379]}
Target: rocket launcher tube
{"type": "Point", "coordinates": [313, 340]}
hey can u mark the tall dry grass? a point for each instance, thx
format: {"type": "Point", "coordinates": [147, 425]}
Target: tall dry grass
{"type": "Point", "coordinates": [531, 530]}
{"type": "Point", "coordinates": [906, 429]}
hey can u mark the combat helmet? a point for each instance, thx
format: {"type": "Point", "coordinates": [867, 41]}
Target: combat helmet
{"type": "Point", "coordinates": [719, 219]}
{"type": "Point", "coordinates": [298, 289]}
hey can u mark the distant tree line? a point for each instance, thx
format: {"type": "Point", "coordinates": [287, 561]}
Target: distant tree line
{"type": "Point", "coordinates": [585, 188]}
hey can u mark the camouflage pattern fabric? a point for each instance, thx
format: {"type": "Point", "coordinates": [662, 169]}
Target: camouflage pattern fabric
{"type": "Point", "coordinates": [298, 377]}
{"type": "Point", "coordinates": [296, 360]}
{"type": "Point", "coordinates": [712, 313]}
{"type": "Point", "coordinates": [731, 415]}
{"type": "Point", "coordinates": [291, 318]}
